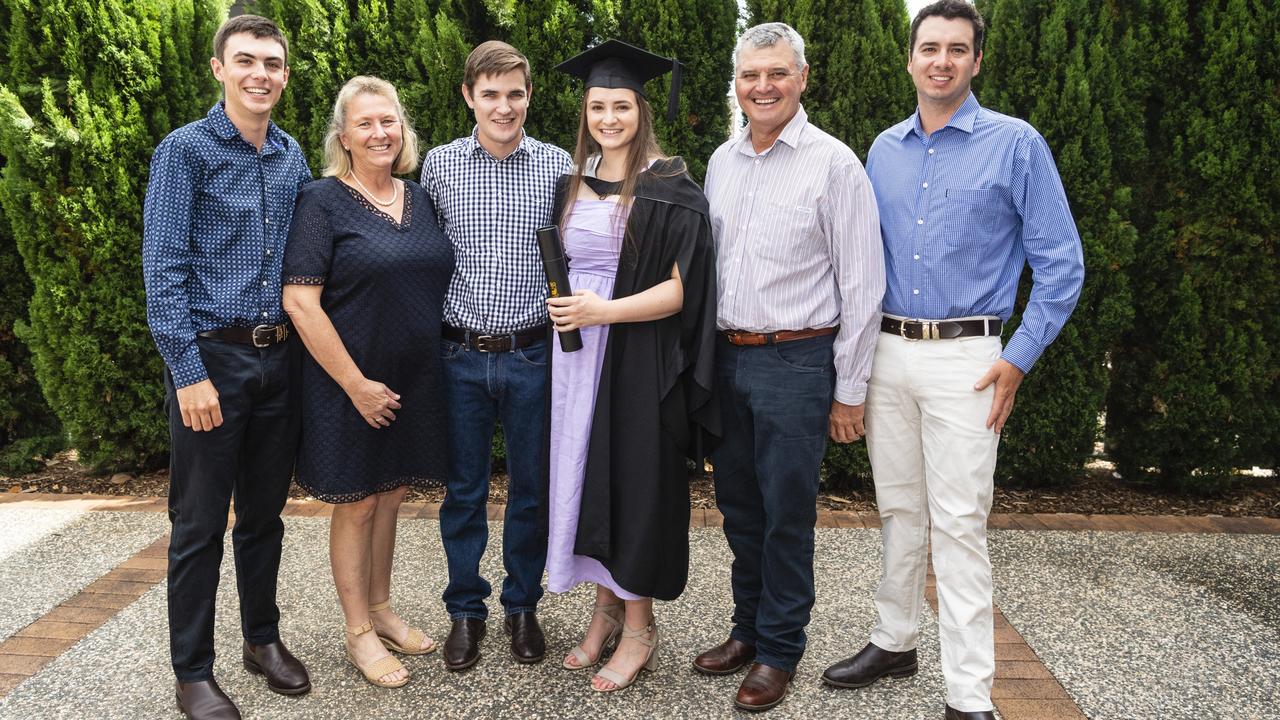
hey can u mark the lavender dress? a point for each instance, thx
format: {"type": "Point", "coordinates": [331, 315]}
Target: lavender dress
{"type": "Point", "coordinates": [592, 240]}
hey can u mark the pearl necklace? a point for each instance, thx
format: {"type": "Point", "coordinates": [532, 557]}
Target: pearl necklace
{"type": "Point", "coordinates": [395, 191]}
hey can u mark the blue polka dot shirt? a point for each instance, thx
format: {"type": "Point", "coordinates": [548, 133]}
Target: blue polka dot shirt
{"type": "Point", "coordinates": [214, 225]}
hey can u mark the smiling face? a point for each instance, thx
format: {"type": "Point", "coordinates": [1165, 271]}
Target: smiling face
{"type": "Point", "coordinates": [500, 104]}
{"type": "Point", "coordinates": [943, 62]}
{"type": "Point", "coordinates": [373, 133]}
{"type": "Point", "coordinates": [768, 85]}
{"type": "Point", "coordinates": [253, 73]}
{"type": "Point", "coordinates": [613, 117]}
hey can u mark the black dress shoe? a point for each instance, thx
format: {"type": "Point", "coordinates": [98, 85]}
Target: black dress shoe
{"type": "Point", "coordinates": [953, 714]}
{"type": "Point", "coordinates": [204, 700]}
{"type": "Point", "coordinates": [285, 673]}
{"type": "Point", "coordinates": [528, 644]}
{"type": "Point", "coordinates": [462, 647]}
{"type": "Point", "coordinates": [870, 665]}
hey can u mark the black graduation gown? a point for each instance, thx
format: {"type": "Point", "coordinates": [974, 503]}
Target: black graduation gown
{"type": "Point", "coordinates": [654, 406]}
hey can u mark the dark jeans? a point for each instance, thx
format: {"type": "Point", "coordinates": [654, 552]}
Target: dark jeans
{"type": "Point", "coordinates": [775, 403]}
{"type": "Point", "coordinates": [481, 388]}
{"type": "Point", "coordinates": [248, 458]}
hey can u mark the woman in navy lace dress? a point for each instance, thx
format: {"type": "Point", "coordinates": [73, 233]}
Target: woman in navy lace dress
{"type": "Point", "coordinates": [366, 269]}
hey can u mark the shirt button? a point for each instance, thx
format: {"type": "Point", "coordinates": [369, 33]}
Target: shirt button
{"type": "Point", "coordinates": [264, 282]}
{"type": "Point", "coordinates": [930, 151]}
{"type": "Point", "coordinates": [926, 185]}
{"type": "Point", "coordinates": [264, 312]}
{"type": "Point", "coordinates": [919, 221]}
{"type": "Point", "coordinates": [268, 251]}
{"type": "Point", "coordinates": [268, 220]}
{"type": "Point", "coordinates": [917, 257]}
{"type": "Point", "coordinates": [913, 292]}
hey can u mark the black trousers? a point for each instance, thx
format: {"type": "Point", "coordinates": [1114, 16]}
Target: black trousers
{"type": "Point", "coordinates": [249, 458]}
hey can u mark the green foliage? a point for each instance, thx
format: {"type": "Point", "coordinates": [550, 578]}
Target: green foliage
{"type": "Point", "coordinates": [1198, 376]}
{"type": "Point", "coordinates": [856, 50]}
{"type": "Point", "coordinates": [91, 88]}
{"type": "Point", "coordinates": [23, 410]}
{"type": "Point", "coordinates": [1059, 67]}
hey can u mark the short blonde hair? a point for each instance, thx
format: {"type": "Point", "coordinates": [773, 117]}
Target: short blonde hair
{"type": "Point", "coordinates": [337, 159]}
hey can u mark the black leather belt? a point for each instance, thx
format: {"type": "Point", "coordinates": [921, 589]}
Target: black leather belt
{"type": "Point", "coordinates": [940, 329]}
{"type": "Point", "coordinates": [260, 336]}
{"type": "Point", "coordinates": [494, 343]}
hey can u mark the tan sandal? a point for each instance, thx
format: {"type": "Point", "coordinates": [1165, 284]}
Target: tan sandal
{"type": "Point", "coordinates": [413, 642]}
{"type": "Point", "coordinates": [647, 635]}
{"type": "Point", "coordinates": [374, 671]}
{"type": "Point", "coordinates": [613, 616]}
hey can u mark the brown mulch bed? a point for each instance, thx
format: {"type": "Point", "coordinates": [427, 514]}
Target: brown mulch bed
{"type": "Point", "coordinates": [1096, 492]}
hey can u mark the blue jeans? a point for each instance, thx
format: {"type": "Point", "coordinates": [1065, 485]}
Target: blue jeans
{"type": "Point", "coordinates": [775, 401]}
{"type": "Point", "coordinates": [481, 388]}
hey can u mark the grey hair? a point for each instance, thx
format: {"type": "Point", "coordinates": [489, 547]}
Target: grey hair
{"type": "Point", "coordinates": [768, 35]}
{"type": "Point", "coordinates": [337, 159]}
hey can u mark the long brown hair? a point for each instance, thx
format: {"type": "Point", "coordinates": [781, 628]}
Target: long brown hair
{"type": "Point", "coordinates": [643, 147]}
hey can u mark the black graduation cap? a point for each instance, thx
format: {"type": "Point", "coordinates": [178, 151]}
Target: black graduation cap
{"type": "Point", "coordinates": [615, 64]}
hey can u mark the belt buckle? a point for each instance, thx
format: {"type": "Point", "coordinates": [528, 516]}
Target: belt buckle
{"type": "Point", "coordinates": [269, 333]}
{"type": "Point", "coordinates": [489, 343]}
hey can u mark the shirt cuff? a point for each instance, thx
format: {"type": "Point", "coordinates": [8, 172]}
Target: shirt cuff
{"type": "Point", "coordinates": [189, 369]}
{"type": "Point", "coordinates": [1022, 352]}
{"type": "Point", "coordinates": [851, 393]}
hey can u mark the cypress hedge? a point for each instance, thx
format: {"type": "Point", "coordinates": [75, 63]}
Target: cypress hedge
{"type": "Point", "coordinates": [1198, 375]}
{"type": "Point", "coordinates": [77, 128]}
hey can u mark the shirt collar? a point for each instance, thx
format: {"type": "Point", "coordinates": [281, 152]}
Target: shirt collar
{"type": "Point", "coordinates": [790, 134]}
{"type": "Point", "coordinates": [474, 146]}
{"type": "Point", "coordinates": [962, 119]}
{"type": "Point", "coordinates": [225, 129]}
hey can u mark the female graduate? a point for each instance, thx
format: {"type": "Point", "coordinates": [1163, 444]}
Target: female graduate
{"type": "Point", "coordinates": [628, 408]}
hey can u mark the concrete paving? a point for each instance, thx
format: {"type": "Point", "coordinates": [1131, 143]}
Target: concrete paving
{"type": "Point", "coordinates": [1145, 625]}
{"type": "Point", "coordinates": [1134, 625]}
{"type": "Point", "coordinates": [48, 555]}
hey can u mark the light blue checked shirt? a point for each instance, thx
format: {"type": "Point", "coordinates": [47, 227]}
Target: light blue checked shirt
{"type": "Point", "coordinates": [962, 210]}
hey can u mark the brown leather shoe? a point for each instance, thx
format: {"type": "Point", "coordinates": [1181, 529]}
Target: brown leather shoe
{"type": "Point", "coordinates": [285, 673]}
{"type": "Point", "coordinates": [462, 647]}
{"type": "Point", "coordinates": [204, 700]}
{"type": "Point", "coordinates": [726, 658]}
{"type": "Point", "coordinates": [528, 644]}
{"type": "Point", "coordinates": [869, 665]}
{"type": "Point", "coordinates": [762, 688]}
{"type": "Point", "coordinates": [953, 714]}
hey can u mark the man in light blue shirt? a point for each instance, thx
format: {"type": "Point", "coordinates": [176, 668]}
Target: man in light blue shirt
{"type": "Point", "coordinates": [967, 197]}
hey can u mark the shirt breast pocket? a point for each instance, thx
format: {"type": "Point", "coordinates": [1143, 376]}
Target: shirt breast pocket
{"type": "Point", "coordinates": [970, 215]}
{"type": "Point", "coordinates": [787, 232]}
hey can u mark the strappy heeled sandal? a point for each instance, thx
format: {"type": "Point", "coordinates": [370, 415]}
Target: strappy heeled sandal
{"type": "Point", "coordinates": [374, 671]}
{"type": "Point", "coordinates": [413, 642]}
{"type": "Point", "coordinates": [613, 616]}
{"type": "Point", "coordinates": [647, 635]}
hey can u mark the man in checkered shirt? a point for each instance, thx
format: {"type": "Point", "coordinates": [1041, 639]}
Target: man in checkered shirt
{"type": "Point", "coordinates": [492, 190]}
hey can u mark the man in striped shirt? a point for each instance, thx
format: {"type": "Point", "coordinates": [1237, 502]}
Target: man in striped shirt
{"type": "Point", "coordinates": [967, 198]}
{"type": "Point", "coordinates": [800, 275]}
{"type": "Point", "coordinates": [492, 190]}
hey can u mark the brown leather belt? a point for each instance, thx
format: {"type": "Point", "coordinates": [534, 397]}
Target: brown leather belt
{"type": "Point", "coordinates": [259, 337]}
{"type": "Point", "coordinates": [742, 337]}
{"type": "Point", "coordinates": [494, 343]}
{"type": "Point", "coordinates": [940, 329]}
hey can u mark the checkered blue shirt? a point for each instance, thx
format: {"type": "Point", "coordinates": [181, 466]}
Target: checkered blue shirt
{"type": "Point", "coordinates": [491, 209]}
{"type": "Point", "coordinates": [961, 212]}
{"type": "Point", "coordinates": [214, 224]}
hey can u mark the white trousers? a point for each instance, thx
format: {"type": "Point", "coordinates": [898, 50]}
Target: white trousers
{"type": "Point", "coordinates": [933, 459]}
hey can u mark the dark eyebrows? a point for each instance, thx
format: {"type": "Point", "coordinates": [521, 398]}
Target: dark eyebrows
{"type": "Point", "coordinates": [268, 59]}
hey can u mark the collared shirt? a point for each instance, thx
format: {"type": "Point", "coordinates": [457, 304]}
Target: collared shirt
{"type": "Point", "coordinates": [961, 210]}
{"type": "Point", "coordinates": [214, 225]}
{"type": "Point", "coordinates": [490, 209]}
{"type": "Point", "coordinates": [798, 243]}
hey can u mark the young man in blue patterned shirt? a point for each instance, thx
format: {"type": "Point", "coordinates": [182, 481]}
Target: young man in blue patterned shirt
{"type": "Point", "coordinates": [217, 211]}
{"type": "Point", "coordinates": [492, 190]}
{"type": "Point", "coordinates": [967, 197]}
